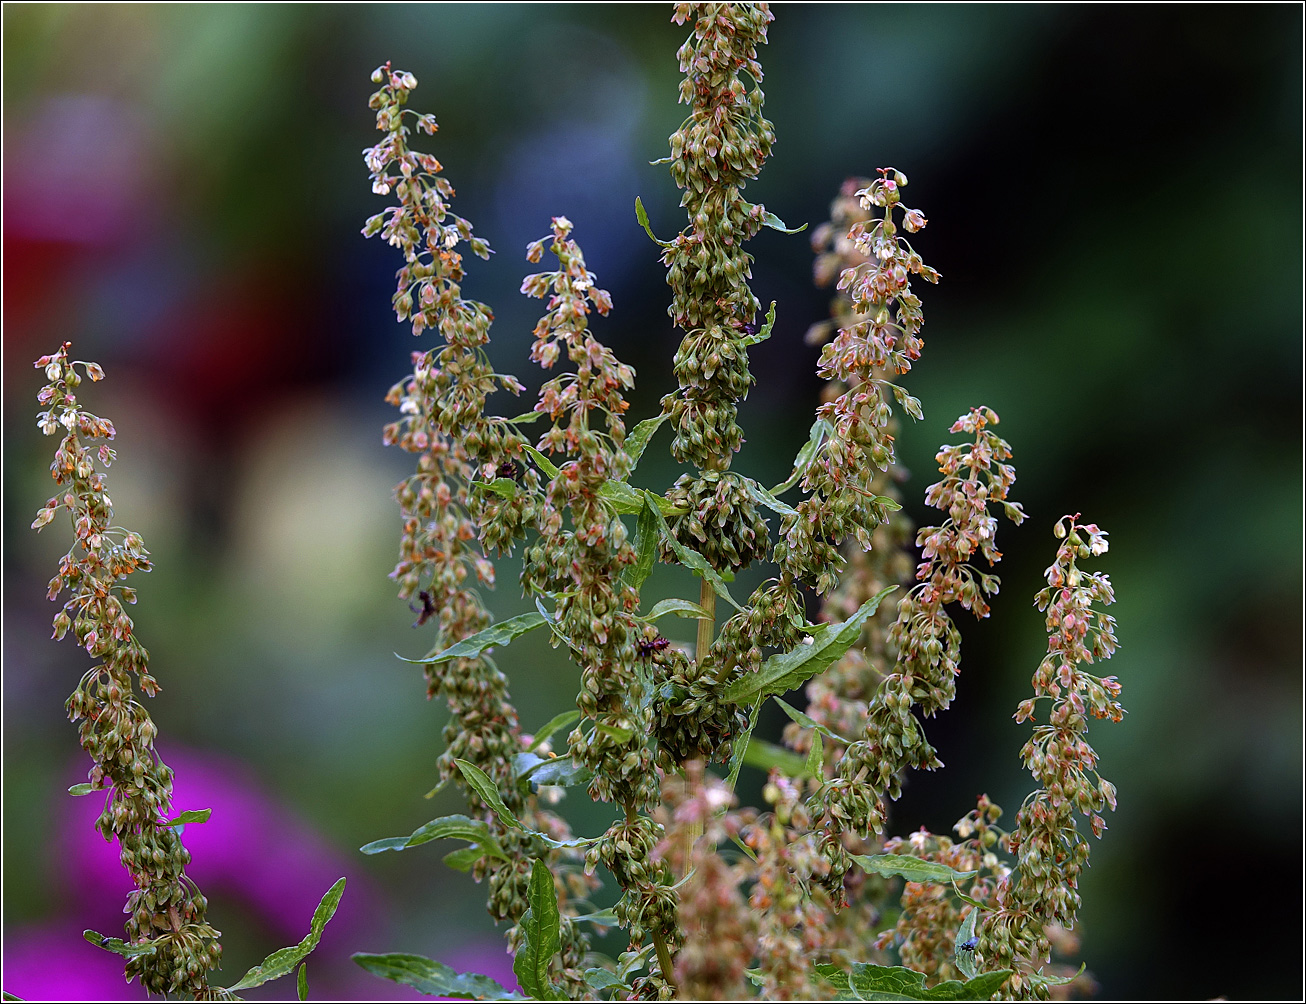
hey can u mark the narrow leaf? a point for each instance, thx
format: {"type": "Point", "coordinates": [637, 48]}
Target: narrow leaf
{"type": "Point", "coordinates": [764, 756]}
{"type": "Point", "coordinates": [7, 996]}
{"type": "Point", "coordinates": [788, 670]}
{"type": "Point", "coordinates": [690, 558]}
{"type": "Point", "coordinates": [807, 722]}
{"type": "Point", "coordinates": [601, 979]}
{"type": "Point", "coordinates": [431, 977]}
{"type": "Point", "coordinates": [889, 983]}
{"type": "Point", "coordinates": [910, 868]}
{"type": "Point", "coordinates": [189, 816]}
{"type": "Point", "coordinates": [463, 858]}
{"type": "Point", "coordinates": [541, 926]}
{"type": "Point", "coordinates": [742, 742]}
{"type": "Point", "coordinates": [820, 429]}
{"type": "Point", "coordinates": [679, 607]}
{"type": "Point", "coordinates": [457, 827]}
{"type": "Point", "coordinates": [646, 547]}
{"type": "Point", "coordinates": [481, 783]}
{"type": "Point", "coordinates": [118, 946]}
{"type": "Point", "coordinates": [503, 487]}
{"type": "Point", "coordinates": [765, 498]}
{"type": "Point", "coordinates": [560, 770]}
{"type": "Point", "coordinates": [621, 496]}
{"type": "Point", "coordinates": [615, 733]}
{"type": "Point", "coordinates": [301, 981]}
{"type": "Point", "coordinates": [775, 223]}
{"type": "Point", "coordinates": [78, 790]}
{"type": "Point", "coordinates": [526, 419]}
{"type": "Point", "coordinates": [541, 461]}
{"type": "Point", "coordinates": [547, 730]}
{"type": "Point", "coordinates": [1038, 979]}
{"type": "Point", "coordinates": [816, 757]}
{"type": "Point", "coordinates": [642, 216]}
{"type": "Point", "coordinates": [638, 440]}
{"type": "Point", "coordinates": [764, 332]}
{"type": "Point", "coordinates": [283, 961]}
{"type": "Point", "coordinates": [964, 954]}
{"type": "Point", "coordinates": [607, 918]}
{"type": "Point", "coordinates": [473, 645]}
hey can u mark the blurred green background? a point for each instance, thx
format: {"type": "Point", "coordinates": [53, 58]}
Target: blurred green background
{"type": "Point", "coordinates": [1114, 196]}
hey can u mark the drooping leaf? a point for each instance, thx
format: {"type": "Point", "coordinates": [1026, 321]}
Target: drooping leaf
{"type": "Point", "coordinates": [608, 918]}
{"type": "Point", "coordinates": [526, 419]}
{"type": "Point", "coordinates": [473, 645]}
{"type": "Point", "coordinates": [463, 858]}
{"type": "Point", "coordinates": [615, 732]}
{"type": "Point", "coordinates": [775, 223]}
{"type": "Point", "coordinates": [301, 982]}
{"type": "Point", "coordinates": [547, 730]}
{"type": "Point", "coordinates": [820, 429]}
{"type": "Point", "coordinates": [679, 607]}
{"type": "Point", "coordinates": [541, 926]}
{"type": "Point", "coordinates": [897, 983]}
{"type": "Point", "coordinates": [284, 960]}
{"type": "Point", "coordinates": [816, 757]}
{"type": "Point", "coordinates": [764, 332]}
{"type": "Point", "coordinates": [435, 978]}
{"type": "Point", "coordinates": [646, 547]}
{"type": "Point", "coordinates": [964, 954]}
{"type": "Point", "coordinates": [503, 487]}
{"type": "Point", "coordinates": [690, 558]}
{"type": "Point", "coordinates": [642, 216]}
{"type": "Point", "coordinates": [541, 461]}
{"type": "Point", "coordinates": [118, 946]}
{"type": "Point", "coordinates": [1038, 979]}
{"type": "Point", "coordinates": [456, 827]}
{"type": "Point", "coordinates": [764, 756]}
{"type": "Point", "coordinates": [484, 786]}
{"type": "Point", "coordinates": [910, 868]}
{"type": "Point", "coordinates": [84, 788]}
{"type": "Point", "coordinates": [621, 496]}
{"type": "Point", "coordinates": [742, 742]}
{"type": "Point", "coordinates": [540, 770]}
{"type": "Point", "coordinates": [788, 670]}
{"type": "Point", "coordinates": [189, 816]}
{"type": "Point", "coordinates": [807, 722]}
{"type": "Point", "coordinates": [765, 498]}
{"type": "Point", "coordinates": [638, 440]}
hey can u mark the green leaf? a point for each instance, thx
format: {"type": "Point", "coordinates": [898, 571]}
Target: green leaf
{"type": "Point", "coordinates": [642, 216]}
{"type": "Point", "coordinates": [541, 925]}
{"type": "Point", "coordinates": [782, 673]}
{"type": "Point", "coordinates": [646, 547]}
{"type": "Point", "coordinates": [742, 742]}
{"type": "Point", "coordinates": [550, 727]}
{"type": "Point", "coordinates": [601, 979]}
{"type": "Point", "coordinates": [189, 816]}
{"type": "Point", "coordinates": [621, 496]}
{"type": "Point", "coordinates": [463, 858]}
{"type": "Point", "coordinates": [639, 437]}
{"type": "Point", "coordinates": [775, 223]}
{"type": "Point", "coordinates": [431, 977]}
{"type": "Point", "coordinates": [689, 558]}
{"type": "Point", "coordinates": [284, 960]}
{"type": "Point", "coordinates": [1038, 979]}
{"type": "Point", "coordinates": [7, 996]}
{"type": "Point", "coordinates": [541, 461]}
{"type": "Point", "coordinates": [615, 732]}
{"type": "Point", "coordinates": [526, 419]}
{"type": "Point", "coordinates": [807, 722]}
{"type": "Point", "coordinates": [679, 607]}
{"type": "Point", "coordinates": [905, 401]}
{"type": "Point", "coordinates": [820, 429]}
{"type": "Point", "coordinates": [816, 757]}
{"type": "Point", "coordinates": [964, 958]}
{"type": "Point", "coordinates": [301, 981]}
{"type": "Point", "coordinates": [765, 498]}
{"type": "Point", "coordinates": [503, 487]}
{"type": "Point", "coordinates": [608, 918]}
{"type": "Point", "coordinates": [897, 983]}
{"type": "Point", "coordinates": [910, 868]}
{"type": "Point", "coordinates": [539, 770]}
{"type": "Point", "coordinates": [756, 977]}
{"type": "Point", "coordinates": [481, 783]}
{"type": "Point", "coordinates": [472, 646]}
{"type": "Point", "coordinates": [764, 332]}
{"type": "Point", "coordinates": [457, 827]}
{"type": "Point", "coordinates": [764, 755]}
{"type": "Point", "coordinates": [84, 788]}
{"type": "Point", "coordinates": [118, 946]}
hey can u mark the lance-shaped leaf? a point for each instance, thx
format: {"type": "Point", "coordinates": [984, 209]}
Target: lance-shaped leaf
{"type": "Point", "coordinates": [642, 216]}
{"type": "Point", "coordinates": [679, 607]}
{"type": "Point", "coordinates": [897, 983]}
{"type": "Point", "coordinates": [820, 430]}
{"type": "Point", "coordinates": [764, 332]}
{"type": "Point", "coordinates": [638, 440]}
{"type": "Point", "coordinates": [808, 722]}
{"type": "Point", "coordinates": [301, 982]}
{"type": "Point", "coordinates": [615, 732]}
{"type": "Point", "coordinates": [964, 954]}
{"type": "Point", "coordinates": [908, 867]}
{"type": "Point", "coordinates": [189, 816]}
{"type": "Point", "coordinates": [621, 496]}
{"type": "Point", "coordinates": [283, 961]}
{"type": "Point", "coordinates": [503, 487]}
{"type": "Point", "coordinates": [816, 757]}
{"type": "Point", "coordinates": [742, 742]}
{"type": "Point", "coordinates": [646, 547]}
{"type": "Point", "coordinates": [463, 858]}
{"type": "Point", "coordinates": [541, 927]}
{"type": "Point", "coordinates": [541, 461]}
{"type": "Point", "coordinates": [1038, 979]}
{"type": "Point", "coordinates": [764, 756]}
{"type": "Point", "coordinates": [547, 730]}
{"type": "Point", "coordinates": [782, 673]}
{"type": "Point", "coordinates": [457, 827]}
{"type": "Point", "coordinates": [601, 979]}
{"type": "Point", "coordinates": [765, 498]}
{"type": "Point", "coordinates": [85, 788]}
{"type": "Point", "coordinates": [484, 786]}
{"type": "Point", "coordinates": [690, 558]}
{"type": "Point", "coordinates": [775, 223]}
{"type": "Point", "coordinates": [431, 977]}
{"type": "Point", "coordinates": [118, 946]}
{"type": "Point", "coordinates": [473, 645]}
{"type": "Point", "coordinates": [526, 419]}
{"type": "Point", "coordinates": [606, 918]}
{"type": "Point", "coordinates": [539, 770]}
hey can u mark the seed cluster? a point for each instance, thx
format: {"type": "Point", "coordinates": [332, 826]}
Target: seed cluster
{"type": "Point", "coordinates": [1051, 852]}
{"type": "Point", "coordinates": [925, 639]}
{"type": "Point", "coordinates": [720, 520]}
{"type": "Point", "coordinates": [166, 909]}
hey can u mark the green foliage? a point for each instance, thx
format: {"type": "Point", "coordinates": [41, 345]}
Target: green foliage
{"type": "Point", "coordinates": [895, 983]}
{"type": "Point", "coordinates": [435, 978]}
{"type": "Point", "coordinates": [540, 926]}
{"type": "Point", "coordinates": [283, 961]}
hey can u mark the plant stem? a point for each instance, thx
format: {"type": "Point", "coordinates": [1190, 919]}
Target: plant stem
{"type": "Point", "coordinates": [664, 961]}
{"type": "Point", "coordinates": [706, 628]}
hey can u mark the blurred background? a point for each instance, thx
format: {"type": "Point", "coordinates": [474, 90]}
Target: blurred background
{"type": "Point", "coordinates": [1114, 196]}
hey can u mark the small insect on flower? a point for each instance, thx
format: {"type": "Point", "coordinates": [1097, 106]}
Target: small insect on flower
{"type": "Point", "coordinates": [970, 944]}
{"type": "Point", "coordinates": [427, 611]}
{"type": "Point", "coordinates": [647, 646]}
{"type": "Point", "coordinates": [509, 469]}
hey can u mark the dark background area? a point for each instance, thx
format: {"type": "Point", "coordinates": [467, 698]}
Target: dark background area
{"type": "Point", "coordinates": [1114, 196]}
